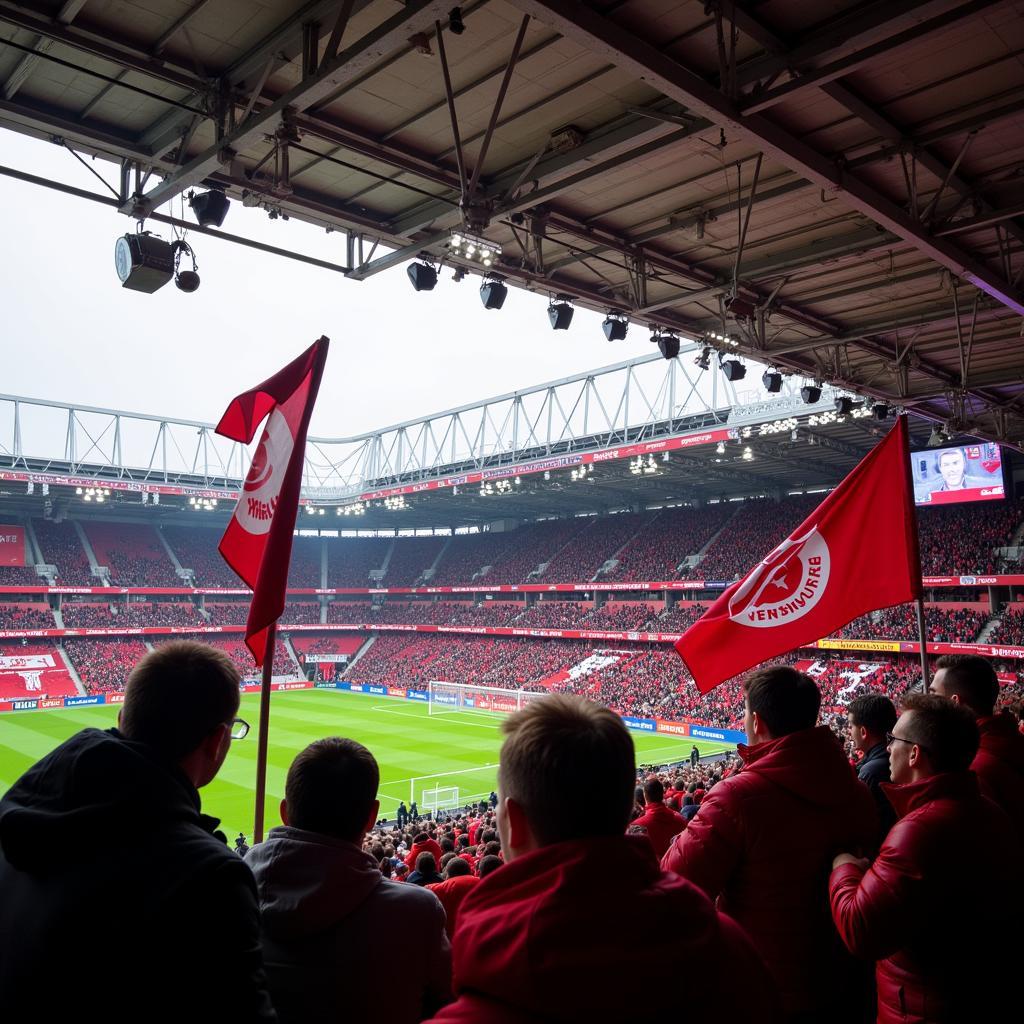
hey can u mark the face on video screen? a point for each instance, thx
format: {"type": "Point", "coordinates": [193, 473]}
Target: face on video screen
{"type": "Point", "coordinates": [967, 473]}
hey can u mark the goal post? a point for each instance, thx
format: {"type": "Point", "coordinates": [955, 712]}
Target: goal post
{"type": "Point", "coordinates": [448, 698]}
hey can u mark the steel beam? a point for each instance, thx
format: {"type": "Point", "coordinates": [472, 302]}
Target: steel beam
{"type": "Point", "coordinates": [603, 37]}
{"type": "Point", "coordinates": [416, 16]}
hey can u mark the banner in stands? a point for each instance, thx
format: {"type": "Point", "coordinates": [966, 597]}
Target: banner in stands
{"type": "Point", "coordinates": [17, 662]}
{"type": "Point", "coordinates": [333, 659]}
{"type": "Point", "coordinates": [654, 586]}
{"type": "Point", "coordinates": [640, 724]}
{"type": "Point", "coordinates": [12, 545]}
{"type": "Point", "coordinates": [701, 732]}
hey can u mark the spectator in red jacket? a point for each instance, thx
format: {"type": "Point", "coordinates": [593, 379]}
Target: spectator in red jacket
{"type": "Point", "coordinates": [459, 882]}
{"type": "Point", "coordinates": [658, 822]}
{"type": "Point", "coordinates": [422, 843]}
{"type": "Point", "coordinates": [764, 839]}
{"type": "Point", "coordinates": [943, 949]}
{"type": "Point", "coordinates": [580, 914]}
{"type": "Point", "coordinates": [971, 681]}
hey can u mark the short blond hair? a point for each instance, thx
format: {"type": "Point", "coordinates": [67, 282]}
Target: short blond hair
{"type": "Point", "coordinates": [570, 764]}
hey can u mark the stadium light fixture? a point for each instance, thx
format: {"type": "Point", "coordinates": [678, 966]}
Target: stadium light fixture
{"type": "Point", "coordinates": [560, 311]}
{"type": "Point", "coordinates": [810, 393]}
{"type": "Point", "coordinates": [473, 248]}
{"type": "Point", "coordinates": [422, 275]}
{"type": "Point", "coordinates": [616, 325]}
{"type": "Point", "coordinates": [720, 448]}
{"type": "Point", "coordinates": [880, 411]}
{"type": "Point", "coordinates": [667, 342]}
{"type": "Point", "coordinates": [733, 369]}
{"type": "Point", "coordinates": [772, 381]}
{"type": "Point", "coordinates": [748, 454]}
{"type": "Point", "coordinates": [493, 291]}
{"type": "Point", "coordinates": [210, 207]}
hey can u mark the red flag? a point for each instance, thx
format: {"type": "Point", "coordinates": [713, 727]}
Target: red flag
{"type": "Point", "coordinates": [258, 541]}
{"type": "Point", "coordinates": [856, 552]}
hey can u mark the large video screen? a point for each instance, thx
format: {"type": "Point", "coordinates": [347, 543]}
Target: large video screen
{"type": "Point", "coordinates": [970, 472]}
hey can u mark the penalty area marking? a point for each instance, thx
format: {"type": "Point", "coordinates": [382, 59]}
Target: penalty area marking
{"type": "Point", "coordinates": [384, 709]}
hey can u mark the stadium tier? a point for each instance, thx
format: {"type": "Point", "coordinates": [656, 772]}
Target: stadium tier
{"type": "Point", "coordinates": [61, 546]}
{"type": "Point", "coordinates": [104, 665]}
{"type": "Point", "coordinates": [133, 554]}
{"type": "Point", "coordinates": [33, 671]}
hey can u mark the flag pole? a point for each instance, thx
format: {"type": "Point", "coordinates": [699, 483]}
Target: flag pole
{"type": "Point", "coordinates": [261, 749]}
{"type": "Point", "coordinates": [922, 633]}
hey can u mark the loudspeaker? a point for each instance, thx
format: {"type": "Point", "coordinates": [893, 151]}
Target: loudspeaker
{"type": "Point", "coordinates": [144, 262]}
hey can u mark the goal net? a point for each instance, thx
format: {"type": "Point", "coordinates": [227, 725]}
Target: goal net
{"type": "Point", "coordinates": [440, 798]}
{"type": "Point", "coordinates": [451, 698]}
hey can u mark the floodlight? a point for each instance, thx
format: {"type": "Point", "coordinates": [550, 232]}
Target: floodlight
{"type": "Point", "coordinates": [772, 381]}
{"type": "Point", "coordinates": [667, 342]}
{"type": "Point", "coordinates": [880, 411]}
{"type": "Point", "coordinates": [422, 275]}
{"type": "Point", "coordinates": [615, 325]}
{"type": "Point", "coordinates": [210, 207]}
{"type": "Point", "coordinates": [810, 393]}
{"type": "Point", "coordinates": [493, 292]}
{"type": "Point", "coordinates": [560, 311]}
{"type": "Point", "coordinates": [733, 369]}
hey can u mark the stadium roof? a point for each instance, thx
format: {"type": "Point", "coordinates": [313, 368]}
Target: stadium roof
{"type": "Point", "coordinates": [837, 186]}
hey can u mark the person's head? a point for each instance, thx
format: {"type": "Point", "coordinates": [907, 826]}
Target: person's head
{"type": "Point", "coordinates": [654, 791]}
{"type": "Point", "coordinates": [967, 679]}
{"type": "Point", "coordinates": [331, 789]}
{"type": "Point", "coordinates": [932, 735]}
{"type": "Point", "coordinates": [181, 701]}
{"type": "Point", "coordinates": [952, 467]}
{"type": "Point", "coordinates": [447, 845]}
{"type": "Point", "coordinates": [425, 863]}
{"type": "Point", "coordinates": [869, 718]}
{"type": "Point", "coordinates": [487, 865]}
{"type": "Point", "coordinates": [688, 800]}
{"type": "Point", "coordinates": [556, 750]}
{"type": "Point", "coordinates": [420, 837]}
{"type": "Point", "coordinates": [457, 866]}
{"type": "Point", "coordinates": [778, 701]}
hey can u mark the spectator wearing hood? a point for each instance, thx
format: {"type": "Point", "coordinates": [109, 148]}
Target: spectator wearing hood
{"type": "Point", "coordinates": [580, 911]}
{"type": "Point", "coordinates": [333, 926]}
{"type": "Point", "coordinates": [423, 843]}
{"type": "Point", "coordinates": [105, 852]}
{"type": "Point", "coordinates": [763, 843]}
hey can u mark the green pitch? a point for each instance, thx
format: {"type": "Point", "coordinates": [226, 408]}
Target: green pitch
{"type": "Point", "coordinates": [457, 749]}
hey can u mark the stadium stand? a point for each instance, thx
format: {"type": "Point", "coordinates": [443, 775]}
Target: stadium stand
{"type": "Point", "coordinates": [411, 558]}
{"type": "Point", "coordinates": [350, 559]}
{"type": "Point", "coordinates": [195, 547]}
{"type": "Point", "coordinates": [305, 566]}
{"type": "Point", "coordinates": [159, 613]}
{"type": "Point", "coordinates": [963, 538]}
{"type": "Point", "coordinates": [61, 546]}
{"type": "Point", "coordinates": [104, 665]}
{"type": "Point", "coordinates": [1010, 631]}
{"type": "Point", "coordinates": [679, 618]}
{"type": "Point", "coordinates": [26, 616]}
{"type": "Point", "coordinates": [294, 612]}
{"type": "Point", "coordinates": [20, 576]}
{"type": "Point", "coordinates": [86, 614]}
{"type": "Point", "coordinates": [945, 624]}
{"type": "Point", "coordinates": [133, 553]}
{"type": "Point", "coordinates": [589, 549]}
{"type": "Point", "coordinates": [227, 613]}
{"type": "Point", "coordinates": [659, 548]}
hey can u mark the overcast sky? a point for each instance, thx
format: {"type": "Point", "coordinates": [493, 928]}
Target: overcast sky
{"type": "Point", "coordinates": [71, 333]}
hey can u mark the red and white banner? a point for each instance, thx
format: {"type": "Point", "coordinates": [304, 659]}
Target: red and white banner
{"type": "Point", "coordinates": [17, 662]}
{"type": "Point", "coordinates": [856, 552]}
{"type": "Point", "coordinates": [12, 545]}
{"type": "Point", "coordinates": [258, 541]}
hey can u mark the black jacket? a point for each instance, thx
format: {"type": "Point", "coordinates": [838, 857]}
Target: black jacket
{"type": "Point", "coordinates": [873, 771]}
{"type": "Point", "coordinates": [116, 902]}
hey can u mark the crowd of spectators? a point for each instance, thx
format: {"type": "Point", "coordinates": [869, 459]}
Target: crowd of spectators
{"type": "Point", "coordinates": [60, 546]}
{"type": "Point", "coordinates": [305, 564]}
{"type": "Point", "coordinates": [159, 613]}
{"type": "Point", "coordinates": [26, 616]}
{"type": "Point", "coordinates": [86, 614]}
{"type": "Point", "coordinates": [469, 553]}
{"type": "Point", "coordinates": [757, 527]}
{"type": "Point", "coordinates": [943, 625]}
{"type": "Point", "coordinates": [628, 616]}
{"type": "Point", "coordinates": [553, 614]}
{"type": "Point", "coordinates": [195, 547]}
{"type": "Point", "coordinates": [589, 549]}
{"type": "Point", "coordinates": [133, 554]}
{"type": "Point", "coordinates": [104, 665]}
{"type": "Point", "coordinates": [20, 576]}
{"type": "Point", "coordinates": [411, 558]}
{"type": "Point", "coordinates": [350, 559]}
{"type": "Point", "coordinates": [296, 613]}
{"type": "Point", "coordinates": [236, 650]}
{"type": "Point", "coordinates": [1010, 631]}
{"type": "Point", "coordinates": [679, 618]}
{"type": "Point", "coordinates": [658, 549]}
{"type": "Point", "coordinates": [956, 539]}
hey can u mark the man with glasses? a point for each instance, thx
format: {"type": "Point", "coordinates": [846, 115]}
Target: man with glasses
{"type": "Point", "coordinates": [938, 907]}
{"type": "Point", "coordinates": [116, 899]}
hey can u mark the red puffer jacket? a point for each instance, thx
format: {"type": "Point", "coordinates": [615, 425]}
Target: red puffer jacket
{"type": "Point", "coordinates": [999, 765]}
{"type": "Point", "coordinates": [430, 846]}
{"type": "Point", "coordinates": [763, 843]}
{"type": "Point", "coordinates": [939, 908]}
{"type": "Point", "coordinates": [577, 931]}
{"type": "Point", "coordinates": [659, 823]}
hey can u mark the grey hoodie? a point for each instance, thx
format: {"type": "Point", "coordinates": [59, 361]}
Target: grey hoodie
{"type": "Point", "coordinates": [339, 939]}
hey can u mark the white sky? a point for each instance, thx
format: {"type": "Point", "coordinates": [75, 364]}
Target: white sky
{"type": "Point", "coordinates": [70, 333]}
